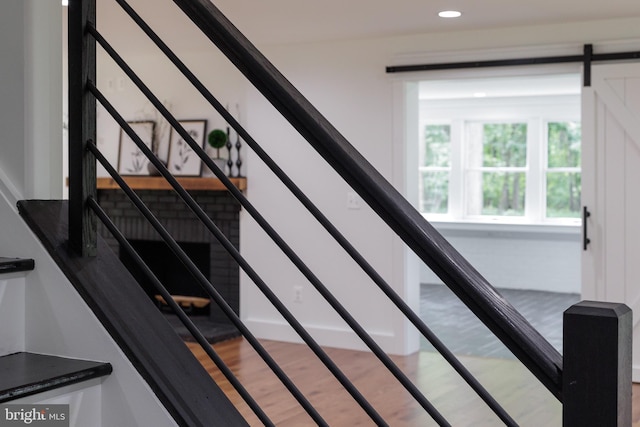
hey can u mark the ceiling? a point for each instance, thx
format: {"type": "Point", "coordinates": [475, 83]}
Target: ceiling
{"type": "Point", "coordinates": [286, 21]}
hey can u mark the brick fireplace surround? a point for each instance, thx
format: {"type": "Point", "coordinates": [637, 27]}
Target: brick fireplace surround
{"type": "Point", "coordinates": [183, 225]}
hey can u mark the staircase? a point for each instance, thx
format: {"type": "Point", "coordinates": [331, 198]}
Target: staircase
{"type": "Point", "coordinates": [84, 334]}
{"type": "Point", "coordinates": [54, 350]}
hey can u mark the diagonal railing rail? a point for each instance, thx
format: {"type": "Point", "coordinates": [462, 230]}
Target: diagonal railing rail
{"type": "Point", "coordinates": [322, 219]}
{"type": "Point", "coordinates": [386, 360]}
{"type": "Point", "coordinates": [473, 289]}
{"type": "Point", "coordinates": [494, 311]}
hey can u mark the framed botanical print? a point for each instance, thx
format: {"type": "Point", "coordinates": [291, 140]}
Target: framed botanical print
{"type": "Point", "coordinates": [131, 160]}
{"type": "Point", "coordinates": [182, 159]}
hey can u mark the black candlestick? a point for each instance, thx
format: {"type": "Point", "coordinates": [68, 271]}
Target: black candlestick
{"type": "Point", "coordinates": [238, 159]}
{"type": "Point", "coordinates": [229, 146]}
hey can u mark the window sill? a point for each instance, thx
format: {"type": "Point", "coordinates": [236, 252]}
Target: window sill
{"type": "Point", "coordinates": [470, 228]}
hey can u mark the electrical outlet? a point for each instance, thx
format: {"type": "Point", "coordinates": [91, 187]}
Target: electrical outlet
{"type": "Point", "coordinates": [297, 294]}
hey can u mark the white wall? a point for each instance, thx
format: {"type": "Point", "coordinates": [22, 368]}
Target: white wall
{"type": "Point", "coordinates": [11, 93]}
{"type": "Point", "coordinates": [540, 260]}
{"type": "Point", "coordinates": [30, 107]}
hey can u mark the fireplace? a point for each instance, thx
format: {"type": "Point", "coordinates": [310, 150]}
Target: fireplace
{"type": "Point", "coordinates": [169, 269]}
{"type": "Point", "coordinates": [206, 252]}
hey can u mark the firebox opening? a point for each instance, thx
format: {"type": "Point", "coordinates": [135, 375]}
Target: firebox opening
{"type": "Point", "coordinates": [169, 270]}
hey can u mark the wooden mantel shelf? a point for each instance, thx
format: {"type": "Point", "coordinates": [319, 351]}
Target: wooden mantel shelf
{"type": "Point", "coordinates": [159, 183]}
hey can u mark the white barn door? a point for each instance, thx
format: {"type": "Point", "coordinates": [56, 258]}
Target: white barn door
{"type": "Point", "coordinates": [611, 190]}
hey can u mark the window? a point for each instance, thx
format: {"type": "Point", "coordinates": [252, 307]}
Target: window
{"type": "Point", "coordinates": [563, 170]}
{"type": "Point", "coordinates": [496, 168]}
{"type": "Point", "coordinates": [434, 173]}
{"type": "Point", "coordinates": [504, 159]}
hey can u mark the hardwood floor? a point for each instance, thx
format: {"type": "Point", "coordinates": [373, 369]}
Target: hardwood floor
{"type": "Point", "coordinates": [511, 384]}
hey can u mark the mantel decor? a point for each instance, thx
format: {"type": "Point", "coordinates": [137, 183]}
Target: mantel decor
{"type": "Point", "coordinates": [131, 160]}
{"type": "Point", "coordinates": [182, 160]}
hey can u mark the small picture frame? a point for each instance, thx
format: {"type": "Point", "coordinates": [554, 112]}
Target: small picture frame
{"type": "Point", "coordinates": [182, 160]}
{"type": "Point", "coordinates": [131, 160]}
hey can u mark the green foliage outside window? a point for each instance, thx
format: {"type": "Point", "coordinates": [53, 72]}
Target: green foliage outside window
{"type": "Point", "coordinates": [504, 145]}
{"type": "Point", "coordinates": [435, 181]}
{"type": "Point", "coordinates": [563, 186]}
{"type": "Point", "coordinates": [503, 193]}
{"type": "Point", "coordinates": [437, 140]}
{"type": "Point", "coordinates": [435, 192]}
{"type": "Point", "coordinates": [563, 194]}
{"type": "Point", "coordinates": [497, 177]}
{"type": "Point", "coordinates": [564, 147]}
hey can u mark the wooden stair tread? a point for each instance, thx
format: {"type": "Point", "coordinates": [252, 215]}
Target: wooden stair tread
{"type": "Point", "coordinates": [11, 265]}
{"type": "Point", "coordinates": [24, 374]}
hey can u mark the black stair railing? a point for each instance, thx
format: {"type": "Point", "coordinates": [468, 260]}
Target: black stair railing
{"type": "Point", "coordinates": [333, 231]}
{"type": "Point", "coordinates": [473, 289]}
{"type": "Point", "coordinates": [386, 360]}
{"type": "Point", "coordinates": [493, 310]}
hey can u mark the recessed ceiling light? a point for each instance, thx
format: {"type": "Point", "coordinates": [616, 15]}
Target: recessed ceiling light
{"type": "Point", "coordinates": [480, 94]}
{"type": "Point", "coordinates": [449, 14]}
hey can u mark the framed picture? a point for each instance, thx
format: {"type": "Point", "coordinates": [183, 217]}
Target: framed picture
{"type": "Point", "coordinates": [131, 160]}
{"type": "Point", "coordinates": [182, 160]}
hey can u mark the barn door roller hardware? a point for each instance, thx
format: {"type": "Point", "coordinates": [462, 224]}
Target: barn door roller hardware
{"type": "Point", "coordinates": [587, 57]}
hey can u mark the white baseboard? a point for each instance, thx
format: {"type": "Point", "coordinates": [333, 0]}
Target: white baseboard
{"type": "Point", "coordinates": [325, 336]}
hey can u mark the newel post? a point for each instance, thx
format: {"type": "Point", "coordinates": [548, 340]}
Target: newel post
{"type": "Point", "coordinates": [82, 127]}
{"type": "Point", "coordinates": [597, 365]}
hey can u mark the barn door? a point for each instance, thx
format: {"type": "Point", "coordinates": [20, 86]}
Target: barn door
{"type": "Point", "coordinates": [611, 190]}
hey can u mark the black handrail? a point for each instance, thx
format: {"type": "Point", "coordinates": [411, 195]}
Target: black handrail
{"type": "Point", "coordinates": [321, 218]}
{"type": "Point", "coordinates": [89, 28]}
{"type": "Point", "coordinates": [271, 232]}
{"type": "Point", "coordinates": [485, 302]}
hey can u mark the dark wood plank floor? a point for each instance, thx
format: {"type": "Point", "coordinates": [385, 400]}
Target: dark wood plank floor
{"type": "Point", "coordinates": [512, 385]}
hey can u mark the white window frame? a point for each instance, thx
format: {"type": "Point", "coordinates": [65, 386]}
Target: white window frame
{"type": "Point", "coordinates": [537, 112]}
